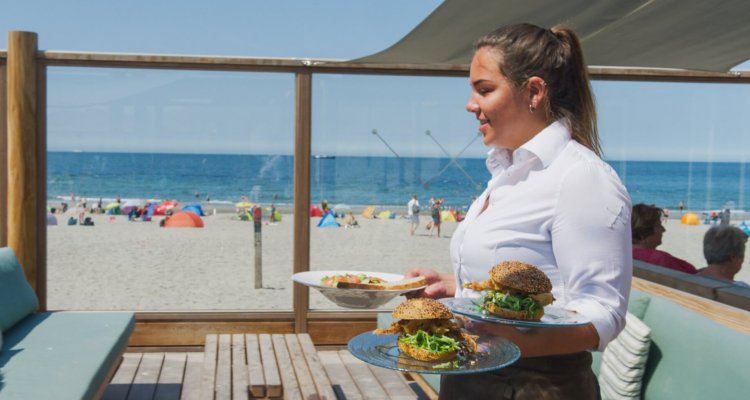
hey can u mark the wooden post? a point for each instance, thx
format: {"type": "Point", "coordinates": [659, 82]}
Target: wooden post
{"type": "Point", "coordinates": [3, 156]}
{"type": "Point", "coordinates": [24, 207]}
{"type": "Point", "coordinates": [302, 129]}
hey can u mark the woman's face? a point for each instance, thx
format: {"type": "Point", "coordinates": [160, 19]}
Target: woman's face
{"type": "Point", "coordinates": [654, 240]}
{"type": "Point", "coordinates": [498, 106]}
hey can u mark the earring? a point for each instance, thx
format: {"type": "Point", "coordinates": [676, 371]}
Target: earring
{"type": "Point", "coordinates": [532, 108]}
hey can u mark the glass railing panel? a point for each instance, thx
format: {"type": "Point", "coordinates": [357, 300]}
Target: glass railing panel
{"type": "Point", "coordinates": [677, 144]}
{"type": "Point", "coordinates": [123, 144]}
{"type": "Point", "coordinates": [377, 140]}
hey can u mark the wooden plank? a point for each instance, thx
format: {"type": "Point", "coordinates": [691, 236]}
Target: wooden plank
{"type": "Point", "coordinates": [393, 383]}
{"type": "Point", "coordinates": [731, 317]}
{"type": "Point", "coordinates": [366, 382]}
{"type": "Point", "coordinates": [147, 376]}
{"type": "Point", "coordinates": [429, 391]}
{"type": "Point", "coordinates": [191, 384]}
{"type": "Point", "coordinates": [256, 378]}
{"type": "Point", "coordinates": [286, 369]}
{"type": "Point", "coordinates": [339, 375]}
{"type": "Point", "coordinates": [322, 383]}
{"type": "Point", "coordinates": [270, 366]}
{"type": "Point", "coordinates": [119, 386]}
{"type": "Point", "coordinates": [188, 333]}
{"type": "Point", "coordinates": [224, 368]}
{"type": "Point", "coordinates": [170, 378]}
{"type": "Point", "coordinates": [304, 377]}
{"type": "Point", "coordinates": [208, 373]}
{"type": "Point", "coordinates": [239, 368]}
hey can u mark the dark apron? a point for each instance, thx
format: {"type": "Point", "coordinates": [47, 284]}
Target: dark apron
{"type": "Point", "coordinates": [553, 377]}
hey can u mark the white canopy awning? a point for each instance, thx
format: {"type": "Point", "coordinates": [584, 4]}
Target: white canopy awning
{"type": "Point", "coordinates": [684, 34]}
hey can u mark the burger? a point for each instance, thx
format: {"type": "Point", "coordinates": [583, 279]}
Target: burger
{"type": "Point", "coordinates": [427, 331]}
{"type": "Point", "coordinates": [515, 290]}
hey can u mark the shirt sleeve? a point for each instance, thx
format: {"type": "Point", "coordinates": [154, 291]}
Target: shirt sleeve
{"type": "Point", "coordinates": [591, 241]}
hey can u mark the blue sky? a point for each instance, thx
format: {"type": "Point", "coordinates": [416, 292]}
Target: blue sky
{"type": "Point", "coordinates": [186, 111]}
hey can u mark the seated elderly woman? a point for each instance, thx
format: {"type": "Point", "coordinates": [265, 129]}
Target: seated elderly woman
{"type": "Point", "coordinates": [647, 233]}
{"type": "Point", "coordinates": [724, 249]}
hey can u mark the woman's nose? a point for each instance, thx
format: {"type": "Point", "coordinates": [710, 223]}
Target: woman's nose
{"type": "Point", "coordinates": [472, 106]}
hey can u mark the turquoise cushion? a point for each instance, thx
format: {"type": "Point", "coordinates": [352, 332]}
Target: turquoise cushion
{"type": "Point", "coordinates": [693, 357]}
{"type": "Point", "coordinates": [62, 355]}
{"type": "Point", "coordinates": [17, 298]}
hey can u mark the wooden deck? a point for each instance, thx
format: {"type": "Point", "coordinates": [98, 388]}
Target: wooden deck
{"type": "Point", "coordinates": [231, 368]}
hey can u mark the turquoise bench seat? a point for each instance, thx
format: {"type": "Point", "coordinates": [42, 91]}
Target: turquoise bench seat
{"type": "Point", "coordinates": [54, 355]}
{"type": "Point", "coordinates": [62, 355]}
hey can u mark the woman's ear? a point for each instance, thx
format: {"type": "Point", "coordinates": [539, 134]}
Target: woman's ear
{"type": "Point", "coordinates": [537, 90]}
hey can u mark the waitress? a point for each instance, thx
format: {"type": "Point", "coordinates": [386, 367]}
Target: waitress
{"type": "Point", "coordinates": [551, 202]}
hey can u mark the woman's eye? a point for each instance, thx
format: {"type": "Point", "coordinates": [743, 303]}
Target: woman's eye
{"type": "Point", "coordinates": [483, 91]}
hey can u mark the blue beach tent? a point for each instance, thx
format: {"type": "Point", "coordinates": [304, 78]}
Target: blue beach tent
{"type": "Point", "coordinates": [194, 208]}
{"type": "Point", "coordinates": [328, 221]}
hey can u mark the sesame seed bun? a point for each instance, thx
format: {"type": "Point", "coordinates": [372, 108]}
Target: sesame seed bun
{"type": "Point", "coordinates": [425, 355]}
{"type": "Point", "coordinates": [521, 277]}
{"type": "Point", "coordinates": [422, 309]}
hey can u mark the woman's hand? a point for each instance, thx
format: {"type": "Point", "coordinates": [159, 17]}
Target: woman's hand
{"type": "Point", "coordinates": [439, 285]}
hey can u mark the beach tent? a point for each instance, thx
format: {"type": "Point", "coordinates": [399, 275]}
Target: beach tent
{"type": "Point", "coordinates": [446, 215]}
{"type": "Point", "coordinates": [277, 216]}
{"type": "Point", "coordinates": [328, 221]}
{"type": "Point", "coordinates": [183, 219]}
{"type": "Point", "coordinates": [163, 207]}
{"type": "Point", "coordinates": [315, 211]}
{"type": "Point", "coordinates": [51, 219]}
{"type": "Point", "coordinates": [368, 212]}
{"type": "Point", "coordinates": [690, 219]}
{"type": "Point", "coordinates": [744, 227]}
{"type": "Point", "coordinates": [244, 204]}
{"type": "Point", "coordinates": [387, 214]}
{"type": "Point", "coordinates": [113, 209]}
{"type": "Point", "coordinates": [150, 210]}
{"type": "Point", "coordinates": [194, 208]}
{"type": "Point", "coordinates": [129, 205]}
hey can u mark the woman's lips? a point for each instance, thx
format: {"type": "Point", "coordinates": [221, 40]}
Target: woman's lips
{"type": "Point", "coordinates": [483, 125]}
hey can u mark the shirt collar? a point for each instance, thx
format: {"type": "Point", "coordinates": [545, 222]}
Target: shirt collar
{"type": "Point", "coordinates": [545, 146]}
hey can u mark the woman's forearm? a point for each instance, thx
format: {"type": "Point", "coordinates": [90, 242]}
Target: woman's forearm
{"type": "Point", "coordinates": [536, 342]}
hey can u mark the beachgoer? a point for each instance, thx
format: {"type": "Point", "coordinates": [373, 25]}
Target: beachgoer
{"type": "Point", "coordinates": [724, 249]}
{"type": "Point", "coordinates": [208, 198]}
{"type": "Point", "coordinates": [324, 206]}
{"type": "Point", "coordinates": [682, 207]}
{"type": "Point", "coordinates": [552, 202]}
{"type": "Point", "coordinates": [350, 221]}
{"type": "Point", "coordinates": [725, 217]}
{"type": "Point", "coordinates": [435, 214]}
{"type": "Point", "coordinates": [272, 217]}
{"type": "Point", "coordinates": [647, 234]}
{"type": "Point", "coordinates": [99, 209]}
{"type": "Point", "coordinates": [412, 211]}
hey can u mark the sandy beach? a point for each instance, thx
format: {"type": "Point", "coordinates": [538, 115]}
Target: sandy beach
{"type": "Point", "coordinates": [123, 265]}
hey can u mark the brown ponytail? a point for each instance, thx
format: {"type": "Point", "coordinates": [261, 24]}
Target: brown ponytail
{"type": "Point", "coordinates": [554, 55]}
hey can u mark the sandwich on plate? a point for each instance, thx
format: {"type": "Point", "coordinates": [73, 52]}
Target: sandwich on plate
{"type": "Point", "coordinates": [515, 290]}
{"type": "Point", "coordinates": [427, 331]}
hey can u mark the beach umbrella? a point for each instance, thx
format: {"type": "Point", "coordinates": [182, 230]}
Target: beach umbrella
{"type": "Point", "coordinates": [446, 215]}
{"type": "Point", "coordinates": [387, 214]}
{"type": "Point", "coordinates": [130, 204]}
{"type": "Point", "coordinates": [165, 206]}
{"type": "Point", "coordinates": [112, 205]}
{"type": "Point", "coordinates": [194, 208]}
{"type": "Point", "coordinates": [244, 204]}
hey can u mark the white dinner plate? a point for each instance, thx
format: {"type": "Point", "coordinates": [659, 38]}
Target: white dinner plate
{"type": "Point", "coordinates": [352, 298]}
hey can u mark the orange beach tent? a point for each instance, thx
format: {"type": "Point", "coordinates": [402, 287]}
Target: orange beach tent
{"type": "Point", "coordinates": [183, 219]}
{"type": "Point", "coordinates": [690, 219]}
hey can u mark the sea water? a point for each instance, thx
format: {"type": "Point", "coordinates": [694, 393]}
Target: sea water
{"type": "Point", "coordinates": [359, 180]}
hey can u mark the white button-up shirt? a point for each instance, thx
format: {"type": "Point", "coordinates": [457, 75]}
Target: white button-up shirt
{"type": "Point", "coordinates": [555, 204]}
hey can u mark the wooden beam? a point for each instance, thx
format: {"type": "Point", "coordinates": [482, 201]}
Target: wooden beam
{"type": "Point", "coordinates": [3, 155]}
{"type": "Point", "coordinates": [302, 140]}
{"type": "Point", "coordinates": [23, 164]}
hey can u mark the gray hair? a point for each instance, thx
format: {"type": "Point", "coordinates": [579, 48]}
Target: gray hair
{"type": "Point", "coordinates": [722, 242]}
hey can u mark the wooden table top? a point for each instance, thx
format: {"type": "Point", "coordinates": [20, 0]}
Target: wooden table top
{"type": "Point", "coordinates": [243, 366]}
